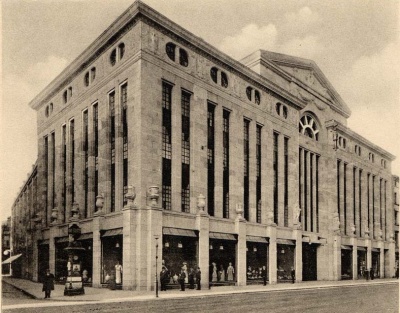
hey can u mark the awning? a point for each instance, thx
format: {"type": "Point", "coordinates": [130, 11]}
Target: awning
{"type": "Point", "coordinates": [375, 250]}
{"type": "Point", "coordinates": [343, 247]}
{"type": "Point", "coordinates": [285, 242]}
{"type": "Point", "coordinates": [61, 239]}
{"type": "Point", "coordinates": [112, 232]}
{"type": "Point", "coordinates": [44, 242]}
{"type": "Point", "coordinates": [86, 236]}
{"type": "Point", "coordinates": [11, 259]}
{"type": "Point", "coordinates": [179, 232]}
{"type": "Point", "coordinates": [222, 236]}
{"type": "Point", "coordinates": [361, 249]}
{"type": "Point", "coordinates": [257, 239]}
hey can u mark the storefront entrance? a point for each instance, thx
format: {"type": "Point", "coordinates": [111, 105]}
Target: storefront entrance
{"type": "Point", "coordinates": [111, 254]}
{"type": "Point", "coordinates": [361, 262]}
{"type": "Point", "coordinates": [347, 262]}
{"type": "Point", "coordinates": [375, 263]}
{"type": "Point", "coordinates": [285, 259]}
{"type": "Point", "coordinates": [309, 259]}
{"type": "Point", "coordinates": [222, 259]}
{"type": "Point", "coordinates": [256, 258]}
{"type": "Point", "coordinates": [43, 259]}
{"type": "Point", "coordinates": [180, 250]}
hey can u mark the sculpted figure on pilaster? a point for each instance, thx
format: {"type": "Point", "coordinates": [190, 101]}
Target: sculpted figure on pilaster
{"type": "Point", "coordinates": [335, 223]}
{"type": "Point", "coordinates": [296, 216]}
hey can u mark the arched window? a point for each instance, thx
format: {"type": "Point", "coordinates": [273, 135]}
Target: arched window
{"type": "Point", "coordinates": [170, 49]}
{"type": "Point", "coordinates": [224, 80]}
{"type": "Point", "coordinates": [214, 74]}
{"type": "Point", "coordinates": [248, 92]}
{"type": "Point", "coordinates": [183, 58]}
{"type": "Point", "coordinates": [278, 108]}
{"type": "Point", "coordinates": [257, 97]}
{"type": "Point", "coordinates": [121, 50]}
{"type": "Point", "coordinates": [113, 57]}
{"type": "Point", "coordinates": [308, 126]}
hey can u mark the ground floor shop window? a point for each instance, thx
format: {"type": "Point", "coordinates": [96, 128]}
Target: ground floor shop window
{"type": "Point", "coordinates": [61, 269]}
{"type": "Point", "coordinates": [256, 258]}
{"type": "Point", "coordinates": [87, 260]}
{"type": "Point", "coordinates": [285, 262]}
{"type": "Point", "coordinates": [111, 259]}
{"type": "Point", "coordinates": [309, 258]}
{"type": "Point", "coordinates": [222, 261]}
{"type": "Point", "coordinates": [347, 262]}
{"type": "Point", "coordinates": [361, 262]}
{"type": "Point", "coordinates": [375, 266]}
{"type": "Point", "coordinates": [179, 252]}
{"type": "Point", "coordinates": [397, 265]}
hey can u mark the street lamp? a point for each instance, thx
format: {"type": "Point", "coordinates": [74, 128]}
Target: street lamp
{"type": "Point", "coordinates": [156, 237]}
{"type": "Point", "coordinates": [6, 252]}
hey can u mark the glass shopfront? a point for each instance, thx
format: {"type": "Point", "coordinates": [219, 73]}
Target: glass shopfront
{"type": "Point", "coordinates": [180, 250]}
{"type": "Point", "coordinates": [309, 258]}
{"type": "Point", "coordinates": [87, 260]}
{"type": "Point", "coordinates": [222, 259]}
{"type": "Point", "coordinates": [256, 258]}
{"type": "Point", "coordinates": [285, 259]}
{"type": "Point", "coordinates": [43, 258]}
{"type": "Point", "coordinates": [347, 262]}
{"type": "Point", "coordinates": [361, 261]}
{"type": "Point", "coordinates": [61, 270]}
{"type": "Point", "coordinates": [111, 256]}
{"type": "Point", "coordinates": [375, 263]}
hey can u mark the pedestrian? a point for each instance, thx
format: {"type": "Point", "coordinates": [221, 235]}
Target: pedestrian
{"type": "Point", "coordinates": [293, 274]}
{"type": "Point", "coordinates": [198, 278]}
{"type": "Point", "coordinates": [371, 272]}
{"type": "Point", "coordinates": [264, 274]}
{"type": "Point", "coordinates": [191, 278]}
{"type": "Point", "coordinates": [164, 278]}
{"type": "Point", "coordinates": [48, 283]}
{"type": "Point", "coordinates": [182, 277]}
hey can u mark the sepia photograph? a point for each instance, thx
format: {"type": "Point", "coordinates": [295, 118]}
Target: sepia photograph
{"type": "Point", "coordinates": [200, 156]}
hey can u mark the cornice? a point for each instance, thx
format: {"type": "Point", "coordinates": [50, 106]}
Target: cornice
{"type": "Point", "coordinates": [333, 124]}
{"type": "Point", "coordinates": [128, 19]}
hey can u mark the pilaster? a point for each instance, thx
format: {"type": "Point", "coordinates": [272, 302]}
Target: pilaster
{"type": "Point", "coordinates": [203, 226]}
{"type": "Point", "coordinates": [272, 261]}
{"type": "Point", "coordinates": [240, 229]}
{"type": "Point", "coordinates": [353, 241]}
{"type": "Point", "coordinates": [337, 257]}
{"type": "Point", "coordinates": [298, 260]}
{"type": "Point", "coordinates": [96, 227]}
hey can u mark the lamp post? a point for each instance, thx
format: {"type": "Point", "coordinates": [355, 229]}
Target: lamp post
{"type": "Point", "coordinates": [156, 237]}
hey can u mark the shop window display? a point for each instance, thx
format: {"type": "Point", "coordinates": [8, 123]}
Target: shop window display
{"type": "Point", "coordinates": [61, 271]}
{"type": "Point", "coordinates": [361, 263]}
{"type": "Point", "coordinates": [285, 262]}
{"type": "Point", "coordinates": [347, 263]}
{"type": "Point", "coordinates": [256, 258]}
{"type": "Point", "coordinates": [111, 256]}
{"type": "Point", "coordinates": [222, 262]}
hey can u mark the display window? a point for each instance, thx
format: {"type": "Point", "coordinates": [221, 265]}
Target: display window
{"type": "Point", "coordinates": [347, 263]}
{"type": "Point", "coordinates": [285, 262]}
{"type": "Point", "coordinates": [256, 258]}
{"type": "Point", "coordinates": [222, 262]}
{"type": "Point", "coordinates": [61, 270]}
{"type": "Point", "coordinates": [111, 259]}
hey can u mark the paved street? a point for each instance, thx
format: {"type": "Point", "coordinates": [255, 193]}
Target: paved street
{"type": "Point", "coordinates": [361, 298]}
{"type": "Point", "coordinates": [11, 295]}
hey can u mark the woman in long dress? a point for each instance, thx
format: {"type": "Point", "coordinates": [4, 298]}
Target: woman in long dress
{"type": "Point", "coordinates": [214, 272]}
{"type": "Point", "coordinates": [118, 272]}
{"type": "Point", "coordinates": [230, 271]}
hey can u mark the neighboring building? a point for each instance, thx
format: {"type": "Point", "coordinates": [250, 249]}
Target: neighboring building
{"type": "Point", "coordinates": [396, 220]}
{"type": "Point", "coordinates": [150, 117]}
{"type": "Point", "coordinates": [5, 245]}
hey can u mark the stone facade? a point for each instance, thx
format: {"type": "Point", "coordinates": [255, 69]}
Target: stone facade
{"type": "Point", "coordinates": [319, 179]}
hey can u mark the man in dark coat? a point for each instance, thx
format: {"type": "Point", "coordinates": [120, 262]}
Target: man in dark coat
{"type": "Point", "coordinates": [182, 277]}
{"type": "Point", "coordinates": [48, 284]}
{"type": "Point", "coordinates": [264, 274]}
{"type": "Point", "coordinates": [293, 274]}
{"type": "Point", "coordinates": [164, 277]}
{"type": "Point", "coordinates": [191, 278]}
{"type": "Point", "coordinates": [198, 278]}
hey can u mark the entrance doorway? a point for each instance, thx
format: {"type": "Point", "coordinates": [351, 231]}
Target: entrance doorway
{"type": "Point", "coordinates": [309, 261]}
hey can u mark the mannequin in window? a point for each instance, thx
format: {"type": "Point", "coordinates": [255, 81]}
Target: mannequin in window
{"type": "Point", "coordinates": [214, 272]}
{"type": "Point", "coordinates": [221, 273]}
{"type": "Point", "coordinates": [118, 272]}
{"type": "Point", "coordinates": [230, 272]}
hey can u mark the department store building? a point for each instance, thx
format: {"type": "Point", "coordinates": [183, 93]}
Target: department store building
{"type": "Point", "coordinates": [155, 143]}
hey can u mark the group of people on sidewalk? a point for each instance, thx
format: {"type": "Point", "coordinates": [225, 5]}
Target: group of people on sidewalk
{"type": "Point", "coordinates": [194, 277]}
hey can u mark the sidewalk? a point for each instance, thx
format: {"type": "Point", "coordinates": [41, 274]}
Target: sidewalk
{"type": "Point", "coordinates": [105, 295]}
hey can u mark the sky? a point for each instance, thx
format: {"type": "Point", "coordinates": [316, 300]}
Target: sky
{"type": "Point", "coordinates": [354, 42]}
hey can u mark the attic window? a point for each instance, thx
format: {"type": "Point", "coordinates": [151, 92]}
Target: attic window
{"type": "Point", "coordinates": [121, 50]}
{"type": "Point", "coordinates": [86, 80]}
{"type": "Point", "coordinates": [214, 74]}
{"type": "Point", "coordinates": [224, 80]}
{"type": "Point", "coordinates": [65, 96]}
{"type": "Point", "coordinates": [183, 57]}
{"type": "Point", "coordinates": [113, 57]}
{"type": "Point", "coordinates": [249, 92]}
{"type": "Point", "coordinates": [90, 76]}
{"type": "Point", "coordinates": [281, 110]}
{"type": "Point", "coordinates": [170, 49]}
{"type": "Point", "coordinates": [357, 150]}
{"type": "Point", "coordinates": [257, 97]}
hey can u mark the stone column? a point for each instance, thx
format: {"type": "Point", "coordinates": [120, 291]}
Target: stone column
{"type": "Point", "coordinates": [314, 194]}
{"type": "Point", "coordinates": [272, 255]}
{"type": "Point", "coordinates": [353, 241]}
{"type": "Point", "coordinates": [341, 198]}
{"type": "Point", "coordinates": [357, 203]}
{"type": "Point", "coordinates": [50, 187]}
{"type": "Point", "coordinates": [298, 261]}
{"type": "Point", "coordinates": [104, 157]}
{"type": "Point", "coordinates": [337, 257]}
{"type": "Point", "coordinates": [203, 226]}
{"type": "Point", "coordinates": [97, 272]}
{"type": "Point", "coordinates": [52, 249]}
{"type": "Point", "coordinates": [281, 176]}
{"type": "Point", "coordinates": [369, 253]}
{"type": "Point", "coordinates": [301, 198]}
{"type": "Point", "coordinates": [35, 256]}
{"type": "Point", "coordinates": [240, 228]}
{"type": "Point", "coordinates": [381, 259]}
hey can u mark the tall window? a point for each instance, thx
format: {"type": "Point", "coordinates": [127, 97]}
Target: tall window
{"type": "Point", "coordinates": [124, 108]}
{"type": "Point", "coordinates": [354, 195]}
{"type": "Point", "coordinates": [53, 169]}
{"type": "Point", "coordinates": [96, 149]}
{"type": "Point", "coordinates": [338, 186]}
{"type": "Point", "coordinates": [286, 181]}
{"type": "Point", "coordinates": [72, 153]}
{"type": "Point", "coordinates": [210, 158]}
{"type": "Point", "coordinates": [300, 180]}
{"type": "Point", "coordinates": [64, 171]}
{"type": "Point", "coordinates": [258, 177]}
{"type": "Point", "coordinates": [345, 197]}
{"type": "Point", "coordinates": [311, 226]}
{"type": "Point", "coordinates": [185, 154]}
{"type": "Point", "coordinates": [317, 191]}
{"type": "Point", "coordinates": [368, 199]}
{"type": "Point", "coordinates": [86, 156]}
{"type": "Point", "coordinates": [359, 200]}
{"type": "Point", "coordinates": [225, 138]}
{"type": "Point", "coordinates": [385, 210]}
{"type": "Point", "coordinates": [111, 103]}
{"type": "Point", "coordinates": [373, 205]}
{"type": "Point", "coordinates": [46, 173]}
{"type": "Point", "coordinates": [306, 190]}
{"type": "Point", "coordinates": [246, 147]}
{"type": "Point", "coordinates": [380, 205]}
{"type": "Point", "coordinates": [275, 162]}
{"type": "Point", "coordinates": [166, 146]}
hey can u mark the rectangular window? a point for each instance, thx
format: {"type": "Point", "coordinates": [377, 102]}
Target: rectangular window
{"type": "Point", "coordinates": [124, 117]}
{"type": "Point", "coordinates": [300, 179]}
{"type": "Point", "coordinates": [111, 103]}
{"type": "Point", "coordinates": [338, 186]}
{"type": "Point", "coordinates": [246, 147]}
{"type": "Point", "coordinates": [64, 171]}
{"type": "Point", "coordinates": [96, 149]}
{"type": "Point", "coordinates": [317, 191]}
{"type": "Point", "coordinates": [46, 174]}
{"type": "Point", "coordinates": [385, 212]}
{"type": "Point", "coordinates": [86, 156]}
{"type": "Point", "coordinates": [311, 226]}
{"type": "Point", "coordinates": [380, 205]}
{"type": "Point", "coordinates": [359, 200]}
{"type": "Point", "coordinates": [166, 146]}
{"type": "Point", "coordinates": [373, 207]}
{"type": "Point", "coordinates": [368, 198]}
{"type": "Point", "coordinates": [305, 187]}
{"type": "Point", "coordinates": [354, 195]}
{"type": "Point", "coordinates": [275, 167]}
{"type": "Point", "coordinates": [225, 138]}
{"type": "Point", "coordinates": [72, 153]}
{"type": "Point", "coordinates": [53, 170]}
{"type": "Point", "coordinates": [185, 152]}
{"type": "Point", "coordinates": [258, 177]}
{"type": "Point", "coordinates": [286, 181]}
{"type": "Point", "coordinates": [210, 158]}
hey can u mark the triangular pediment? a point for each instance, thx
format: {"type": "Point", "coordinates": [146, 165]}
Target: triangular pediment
{"type": "Point", "coordinates": [308, 73]}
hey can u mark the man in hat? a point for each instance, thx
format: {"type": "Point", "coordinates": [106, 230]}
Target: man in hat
{"type": "Point", "coordinates": [182, 277]}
